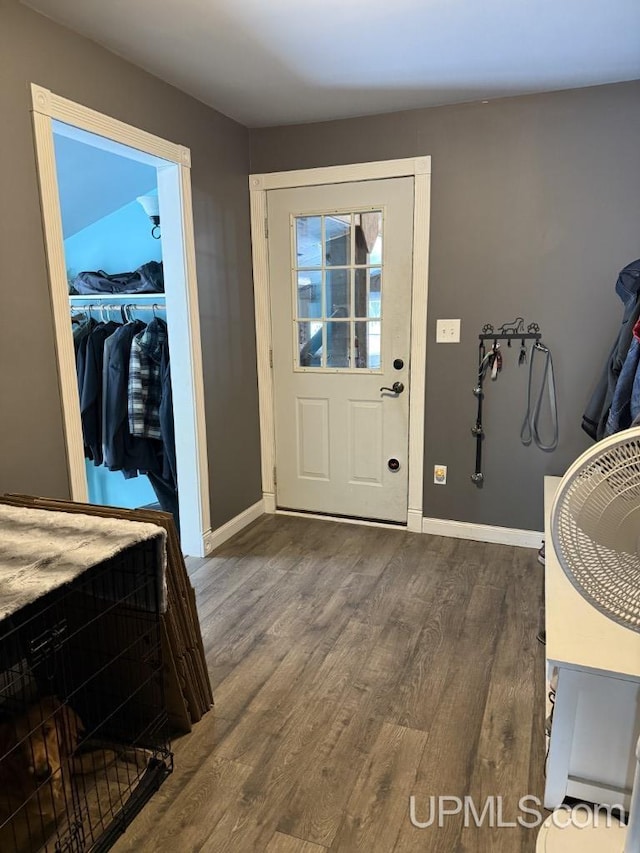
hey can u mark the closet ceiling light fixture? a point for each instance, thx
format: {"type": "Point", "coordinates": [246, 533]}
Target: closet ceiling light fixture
{"type": "Point", "coordinates": [152, 209]}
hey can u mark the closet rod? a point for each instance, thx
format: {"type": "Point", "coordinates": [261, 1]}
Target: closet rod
{"type": "Point", "coordinates": [98, 305]}
{"type": "Point", "coordinates": [150, 296]}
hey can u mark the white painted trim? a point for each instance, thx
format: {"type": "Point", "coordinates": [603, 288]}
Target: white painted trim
{"type": "Point", "coordinates": [215, 538]}
{"type": "Point", "coordinates": [441, 527]}
{"type": "Point", "coordinates": [174, 181]}
{"type": "Point", "coordinates": [52, 106]}
{"type": "Point", "coordinates": [262, 301]}
{"type": "Point", "coordinates": [59, 296]}
{"type": "Point", "coordinates": [259, 184]}
{"type": "Point", "coordinates": [178, 251]}
{"type": "Point", "coordinates": [195, 341]}
{"type": "Point", "coordinates": [373, 171]}
{"type": "Point", "coordinates": [341, 519]}
{"type": "Point", "coordinates": [418, 362]}
{"type": "Point", "coordinates": [483, 532]}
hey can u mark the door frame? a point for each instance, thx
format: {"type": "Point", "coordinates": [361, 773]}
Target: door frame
{"type": "Point", "coordinates": [188, 394]}
{"type": "Point", "coordinates": [419, 168]}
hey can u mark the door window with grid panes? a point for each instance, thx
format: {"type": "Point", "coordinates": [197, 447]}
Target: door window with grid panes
{"type": "Point", "coordinates": [337, 277]}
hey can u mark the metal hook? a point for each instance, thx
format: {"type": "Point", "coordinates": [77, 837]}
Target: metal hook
{"type": "Point", "coordinates": [522, 357]}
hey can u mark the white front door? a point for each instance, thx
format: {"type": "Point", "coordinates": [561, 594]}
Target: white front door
{"type": "Point", "coordinates": [340, 262]}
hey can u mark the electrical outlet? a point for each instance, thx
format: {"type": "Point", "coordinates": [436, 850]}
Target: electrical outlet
{"type": "Point", "coordinates": [448, 331]}
{"type": "Point", "coordinates": [440, 475]}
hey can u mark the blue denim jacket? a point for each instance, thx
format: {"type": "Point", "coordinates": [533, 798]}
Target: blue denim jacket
{"type": "Point", "coordinates": [635, 399]}
{"type": "Point", "coordinates": [625, 405]}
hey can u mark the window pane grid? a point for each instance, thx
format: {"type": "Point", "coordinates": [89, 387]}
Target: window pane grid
{"type": "Point", "coordinates": [337, 267]}
{"type": "Point", "coordinates": [323, 361]}
{"type": "Point", "coordinates": [337, 276]}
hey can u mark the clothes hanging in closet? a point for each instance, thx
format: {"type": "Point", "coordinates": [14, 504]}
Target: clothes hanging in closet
{"type": "Point", "coordinates": [595, 417]}
{"type": "Point", "coordinates": [145, 380]}
{"type": "Point", "coordinates": [625, 405]}
{"type": "Point", "coordinates": [80, 339]}
{"type": "Point", "coordinates": [91, 391]}
{"type": "Point", "coordinates": [104, 378]}
{"type": "Point", "coordinates": [122, 450]}
{"type": "Point", "coordinates": [82, 327]}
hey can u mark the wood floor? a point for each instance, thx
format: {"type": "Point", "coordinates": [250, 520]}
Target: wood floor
{"type": "Point", "coordinates": [352, 668]}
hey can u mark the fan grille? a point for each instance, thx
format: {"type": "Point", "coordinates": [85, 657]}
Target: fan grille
{"type": "Point", "coordinates": [596, 528]}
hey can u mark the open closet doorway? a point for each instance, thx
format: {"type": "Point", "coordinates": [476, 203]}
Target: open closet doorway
{"type": "Point", "coordinates": [116, 206]}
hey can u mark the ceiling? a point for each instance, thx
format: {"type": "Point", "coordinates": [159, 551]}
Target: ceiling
{"type": "Point", "coordinates": [94, 183]}
{"type": "Point", "coordinates": [269, 62]}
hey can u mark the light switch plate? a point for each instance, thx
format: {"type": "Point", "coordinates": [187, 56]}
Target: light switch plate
{"type": "Point", "coordinates": [448, 331]}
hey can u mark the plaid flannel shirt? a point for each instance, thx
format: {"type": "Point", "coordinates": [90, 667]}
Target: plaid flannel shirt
{"type": "Point", "coordinates": [145, 383]}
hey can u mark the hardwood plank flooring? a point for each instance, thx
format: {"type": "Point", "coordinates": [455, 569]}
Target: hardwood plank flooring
{"type": "Point", "coordinates": [288, 844]}
{"type": "Point", "coordinates": [354, 667]}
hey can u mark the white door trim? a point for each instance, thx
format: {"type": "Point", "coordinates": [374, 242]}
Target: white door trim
{"type": "Point", "coordinates": [259, 184]}
{"type": "Point", "coordinates": [192, 459]}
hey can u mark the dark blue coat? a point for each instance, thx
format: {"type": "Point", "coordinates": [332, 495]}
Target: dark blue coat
{"type": "Point", "coordinates": [594, 419]}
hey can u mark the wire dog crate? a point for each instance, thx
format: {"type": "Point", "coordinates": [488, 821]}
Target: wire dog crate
{"type": "Point", "coordinates": [84, 736]}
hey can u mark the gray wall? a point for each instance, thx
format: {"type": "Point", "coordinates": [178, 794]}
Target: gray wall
{"type": "Point", "coordinates": [535, 207]}
{"type": "Point", "coordinates": [32, 457]}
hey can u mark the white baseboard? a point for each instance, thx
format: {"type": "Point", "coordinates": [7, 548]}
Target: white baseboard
{"type": "Point", "coordinates": [341, 519]}
{"type": "Point", "coordinates": [482, 532]}
{"type": "Point", "coordinates": [436, 526]}
{"type": "Point", "coordinates": [214, 538]}
{"type": "Point", "coordinates": [414, 520]}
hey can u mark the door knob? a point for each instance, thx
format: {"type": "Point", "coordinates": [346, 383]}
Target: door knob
{"type": "Point", "coordinates": [396, 388]}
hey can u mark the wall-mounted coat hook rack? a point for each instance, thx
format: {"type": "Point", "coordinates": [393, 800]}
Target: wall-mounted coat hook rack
{"type": "Point", "coordinates": [514, 331]}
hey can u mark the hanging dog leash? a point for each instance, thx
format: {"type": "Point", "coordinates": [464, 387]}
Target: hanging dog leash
{"type": "Point", "coordinates": [491, 363]}
{"type": "Point", "coordinates": [530, 431]}
{"type": "Point", "coordinates": [496, 363]}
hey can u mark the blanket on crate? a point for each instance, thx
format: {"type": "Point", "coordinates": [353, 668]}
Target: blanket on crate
{"type": "Point", "coordinates": [42, 550]}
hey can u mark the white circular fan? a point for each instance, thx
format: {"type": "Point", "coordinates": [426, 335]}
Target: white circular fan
{"type": "Point", "coordinates": [595, 527]}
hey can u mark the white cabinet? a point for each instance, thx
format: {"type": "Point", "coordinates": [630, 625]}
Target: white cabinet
{"type": "Point", "coordinates": [596, 718]}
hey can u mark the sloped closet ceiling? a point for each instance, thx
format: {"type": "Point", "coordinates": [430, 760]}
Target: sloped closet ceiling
{"type": "Point", "coordinates": [94, 183]}
{"type": "Point", "coordinates": [286, 61]}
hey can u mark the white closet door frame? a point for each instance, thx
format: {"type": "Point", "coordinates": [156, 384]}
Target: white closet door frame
{"type": "Point", "coordinates": [419, 168]}
{"type": "Point", "coordinates": [182, 303]}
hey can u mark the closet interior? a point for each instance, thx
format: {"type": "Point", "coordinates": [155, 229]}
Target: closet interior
{"type": "Point", "coordinates": [117, 308]}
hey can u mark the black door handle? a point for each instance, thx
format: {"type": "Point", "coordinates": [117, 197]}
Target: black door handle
{"type": "Point", "coordinates": [396, 388]}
